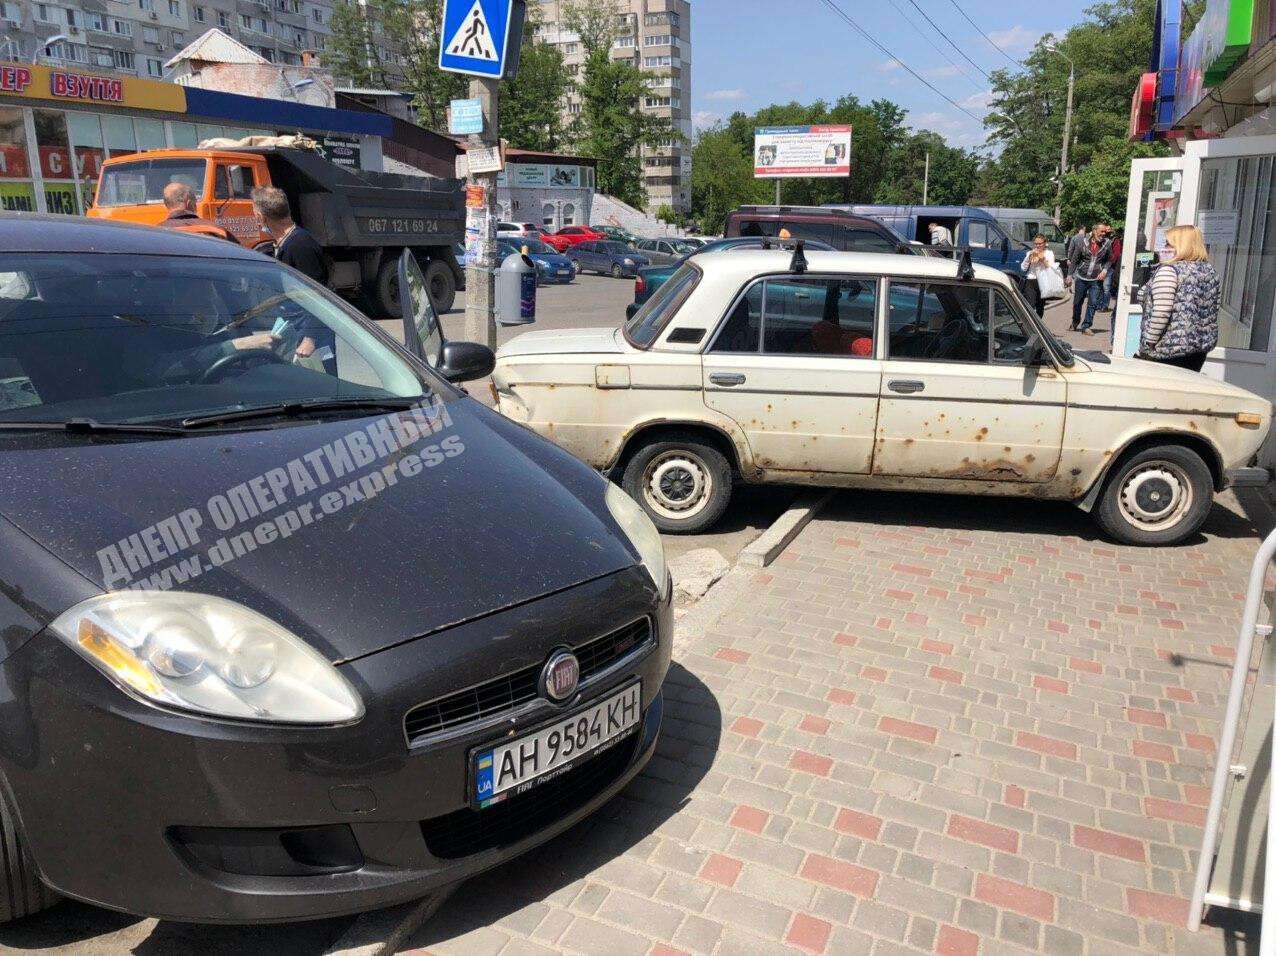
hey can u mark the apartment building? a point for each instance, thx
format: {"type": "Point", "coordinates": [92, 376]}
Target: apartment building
{"type": "Point", "coordinates": [656, 36]}
{"type": "Point", "coordinates": [138, 36]}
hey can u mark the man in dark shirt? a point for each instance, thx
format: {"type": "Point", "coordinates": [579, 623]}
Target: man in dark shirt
{"type": "Point", "coordinates": [179, 200]}
{"type": "Point", "coordinates": [296, 247]}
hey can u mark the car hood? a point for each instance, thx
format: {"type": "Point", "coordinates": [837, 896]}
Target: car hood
{"type": "Point", "coordinates": [508, 519]}
{"type": "Point", "coordinates": [563, 342]}
{"type": "Point", "coordinates": [554, 261]}
{"type": "Point", "coordinates": [1138, 383]}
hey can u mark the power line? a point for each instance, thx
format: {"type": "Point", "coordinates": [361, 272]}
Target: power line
{"type": "Point", "coordinates": [934, 46]}
{"type": "Point", "coordinates": [887, 53]}
{"type": "Point", "coordinates": [948, 40]}
{"type": "Point", "coordinates": [962, 11]}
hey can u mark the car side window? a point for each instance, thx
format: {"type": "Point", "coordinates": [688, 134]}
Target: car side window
{"type": "Point", "coordinates": [819, 317]}
{"type": "Point", "coordinates": [1010, 335]}
{"type": "Point", "coordinates": [864, 240]}
{"type": "Point", "coordinates": [977, 235]}
{"type": "Point", "coordinates": [233, 182]}
{"type": "Point", "coordinates": [938, 322]}
{"type": "Point", "coordinates": [742, 332]}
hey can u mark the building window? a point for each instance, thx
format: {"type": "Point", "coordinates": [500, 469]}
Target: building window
{"type": "Point", "coordinates": [154, 67]}
{"type": "Point", "coordinates": [547, 212]}
{"type": "Point", "coordinates": [299, 38]}
{"type": "Point", "coordinates": [569, 215]}
{"type": "Point", "coordinates": [11, 11]}
{"type": "Point", "coordinates": [74, 52]}
{"type": "Point", "coordinates": [178, 38]}
{"type": "Point", "coordinates": [317, 15]}
{"type": "Point", "coordinates": [223, 18]}
{"type": "Point", "coordinates": [652, 62]}
{"type": "Point", "coordinates": [146, 5]}
{"type": "Point", "coordinates": [573, 109]}
{"type": "Point", "coordinates": [662, 39]}
{"type": "Point", "coordinates": [42, 13]}
{"type": "Point", "coordinates": [123, 60]}
{"type": "Point", "coordinates": [150, 35]}
{"type": "Point", "coordinates": [174, 8]}
{"type": "Point", "coordinates": [198, 14]}
{"type": "Point", "coordinates": [123, 28]}
{"type": "Point", "coordinates": [625, 41]}
{"type": "Point", "coordinates": [569, 48]}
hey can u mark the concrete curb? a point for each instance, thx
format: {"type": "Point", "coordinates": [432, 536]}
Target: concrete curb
{"type": "Point", "coordinates": [787, 527]}
{"type": "Point", "coordinates": [382, 932]}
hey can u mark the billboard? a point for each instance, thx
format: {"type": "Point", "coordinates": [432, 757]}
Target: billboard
{"type": "Point", "coordinates": [801, 151]}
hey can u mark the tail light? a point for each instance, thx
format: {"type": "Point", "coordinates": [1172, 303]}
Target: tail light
{"type": "Point", "coordinates": [640, 286]}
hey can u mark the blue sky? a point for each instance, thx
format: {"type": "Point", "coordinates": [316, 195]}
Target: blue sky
{"type": "Point", "coordinates": [750, 53]}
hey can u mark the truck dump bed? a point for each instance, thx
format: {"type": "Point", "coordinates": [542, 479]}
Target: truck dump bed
{"type": "Point", "coordinates": [366, 209]}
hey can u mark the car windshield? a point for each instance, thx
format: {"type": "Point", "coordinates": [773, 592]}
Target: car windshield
{"type": "Point", "coordinates": [645, 326]}
{"type": "Point", "coordinates": [141, 339]}
{"type": "Point", "coordinates": [615, 248]}
{"type": "Point", "coordinates": [143, 182]}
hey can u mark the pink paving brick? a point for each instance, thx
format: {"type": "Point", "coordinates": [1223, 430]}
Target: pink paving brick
{"type": "Point", "coordinates": [974, 620]}
{"type": "Point", "coordinates": [664, 949]}
{"type": "Point", "coordinates": [1090, 667]}
{"type": "Point", "coordinates": [899, 595]}
{"type": "Point", "coordinates": [749, 818]}
{"type": "Point", "coordinates": [946, 674]}
{"type": "Point", "coordinates": [747, 726]}
{"type": "Point", "coordinates": [937, 647]}
{"type": "Point", "coordinates": [952, 941]}
{"type": "Point", "coordinates": [985, 834]}
{"type": "Point", "coordinates": [1057, 626]}
{"type": "Point", "coordinates": [1156, 906]}
{"type": "Point", "coordinates": [846, 640]}
{"type": "Point", "coordinates": [848, 542]}
{"type": "Point", "coordinates": [1171, 810]}
{"type": "Point", "coordinates": [764, 578]}
{"type": "Point", "coordinates": [913, 617]}
{"type": "Point", "coordinates": [1148, 718]}
{"type": "Point", "coordinates": [837, 695]}
{"type": "Point", "coordinates": [807, 762]}
{"type": "Point", "coordinates": [1199, 796]}
{"type": "Point", "coordinates": [842, 876]}
{"type": "Point", "coordinates": [1015, 796]}
{"type": "Point", "coordinates": [732, 655]}
{"type": "Point", "coordinates": [1150, 751]}
{"type": "Point", "coordinates": [873, 673]}
{"type": "Point", "coordinates": [971, 589]}
{"type": "Point", "coordinates": [1200, 742]}
{"type": "Point", "coordinates": [1180, 694]}
{"type": "Point", "coordinates": [906, 728]}
{"type": "Point", "coordinates": [884, 623]}
{"type": "Point", "coordinates": [1112, 844]}
{"type": "Point", "coordinates": [1052, 684]}
{"type": "Point", "coordinates": [1009, 895]}
{"type": "Point", "coordinates": [723, 870]}
{"type": "Point", "coordinates": [808, 933]}
{"type": "Point", "coordinates": [912, 569]}
{"type": "Point", "coordinates": [814, 725]}
{"type": "Point", "coordinates": [939, 593]}
{"type": "Point", "coordinates": [1046, 745]}
{"type": "Point", "coordinates": [863, 825]}
{"type": "Point", "coordinates": [1223, 651]}
{"type": "Point", "coordinates": [1170, 624]}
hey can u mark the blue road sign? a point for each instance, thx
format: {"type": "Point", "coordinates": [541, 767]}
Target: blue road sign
{"type": "Point", "coordinates": [466, 117]}
{"type": "Point", "coordinates": [476, 35]}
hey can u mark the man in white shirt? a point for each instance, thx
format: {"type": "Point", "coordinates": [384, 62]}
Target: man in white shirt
{"type": "Point", "coordinates": [940, 235]}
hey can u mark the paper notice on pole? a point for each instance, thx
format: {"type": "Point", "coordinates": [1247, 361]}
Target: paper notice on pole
{"type": "Point", "coordinates": [476, 197]}
{"type": "Point", "coordinates": [488, 159]}
{"type": "Point", "coordinates": [1219, 226]}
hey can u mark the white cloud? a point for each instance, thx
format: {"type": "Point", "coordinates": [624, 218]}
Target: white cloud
{"type": "Point", "coordinates": [1017, 39]}
{"type": "Point", "coordinates": [888, 66]}
{"type": "Point", "coordinates": [703, 119]}
{"type": "Point", "coordinates": [978, 102]}
{"type": "Point", "coordinates": [941, 73]}
{"type": "Point", "coordinates": [957, 129]}
{"type": "Point", "coordinates": [729, 95]}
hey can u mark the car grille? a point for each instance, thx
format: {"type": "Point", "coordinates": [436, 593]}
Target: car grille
{"type": "Point", "coordinates": [466, 832]}
{"type": "Point", "coordinates": [511, 690]}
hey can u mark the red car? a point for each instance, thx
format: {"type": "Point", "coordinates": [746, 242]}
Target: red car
{"type": "Point", "coordinates": [570, 236]}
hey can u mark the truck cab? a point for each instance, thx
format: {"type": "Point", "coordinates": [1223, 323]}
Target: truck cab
{"type": "Point", "coordinates": [971, 228]}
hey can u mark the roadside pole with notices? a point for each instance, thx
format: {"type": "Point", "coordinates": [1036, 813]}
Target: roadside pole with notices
{"type": "Point", "coordinates": [481, 38]}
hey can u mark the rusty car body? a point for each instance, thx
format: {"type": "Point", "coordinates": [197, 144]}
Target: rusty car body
{"type": "Point", "coordinates": [875, 371]}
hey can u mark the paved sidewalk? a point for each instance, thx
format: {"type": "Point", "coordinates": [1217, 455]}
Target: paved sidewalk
{"type": "Point", "coordinates": [938, 724]}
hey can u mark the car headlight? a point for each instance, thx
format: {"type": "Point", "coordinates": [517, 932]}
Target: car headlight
{"type": "Point", "coordinates": [629, 262]}
{"type": "Point", "coordinates": [207, 655]}
{"type": "Point", "coordinates": [642, 534]}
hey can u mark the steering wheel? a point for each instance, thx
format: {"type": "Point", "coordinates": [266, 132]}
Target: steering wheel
{"type": "Point", "coordinates": [246, 357]}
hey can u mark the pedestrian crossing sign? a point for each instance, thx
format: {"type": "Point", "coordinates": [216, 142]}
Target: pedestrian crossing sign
{"type": "Point", "coordinates": [477, 35]}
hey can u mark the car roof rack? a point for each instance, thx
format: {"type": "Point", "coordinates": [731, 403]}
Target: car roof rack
{"type": "Point", "coordinates": [798, 264]}
{"type": "Point", "coordinates": [965, 269]}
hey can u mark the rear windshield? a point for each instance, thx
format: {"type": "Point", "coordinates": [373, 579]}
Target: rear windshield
{"type": "Point", "coordinates": [136, 184]}
{"type": "Point", "coordinates": [645, 326]}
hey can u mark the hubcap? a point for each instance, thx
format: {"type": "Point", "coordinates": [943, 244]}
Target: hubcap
{"type": "Point", "coordinates": [1156, 496]}
{"type": "Point", "coordinates": [677, 484]}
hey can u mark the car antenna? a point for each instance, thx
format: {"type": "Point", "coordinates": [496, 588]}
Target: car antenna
{"type": "Point", "coordinates": [965, 270]}
{"type": "Point", "coordinates": [798, 265]}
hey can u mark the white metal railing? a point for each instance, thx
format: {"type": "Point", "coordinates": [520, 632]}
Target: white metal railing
{"type": "Point", "coordinates": [1249, 630]}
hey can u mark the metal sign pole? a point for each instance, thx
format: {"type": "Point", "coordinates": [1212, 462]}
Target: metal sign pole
{"type": "Point", "coordinates": [480, 269]}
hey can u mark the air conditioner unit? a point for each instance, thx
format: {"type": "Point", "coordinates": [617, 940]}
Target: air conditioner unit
{"type": "Point", "coordinates": [154, 15]}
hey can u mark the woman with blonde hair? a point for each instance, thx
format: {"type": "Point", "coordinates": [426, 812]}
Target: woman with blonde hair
{"type": "Point", "coordinates": [1180, 303]}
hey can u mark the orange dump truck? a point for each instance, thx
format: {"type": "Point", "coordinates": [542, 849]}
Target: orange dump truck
{"type": "Point", "coordinates": [363, 220]}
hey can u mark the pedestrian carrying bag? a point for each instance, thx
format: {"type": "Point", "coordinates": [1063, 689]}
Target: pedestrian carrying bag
{"type": "Point", "coordinates": [1050, 282]}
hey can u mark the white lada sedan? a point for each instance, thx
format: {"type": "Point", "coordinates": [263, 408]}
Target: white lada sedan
{"type": "Point", "coordinates": [875, 371]}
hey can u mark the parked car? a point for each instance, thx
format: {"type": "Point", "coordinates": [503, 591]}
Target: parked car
{"type": "Point", "coordinates": [220, 706]}
{"type": "Point", "coordinates": [842, 230]}
{"type": "Point", "coordinates": [521, 229]}
{"type": "Point", "coordinates": [607, 258]}
{"type": "Point", "coordinates": [570, 236]}
{"type": "Point", "coordinates": [552, 268]}
{"type": "Point", "coordinates": [663, 252]}
{"type": "Point", "coordinates": [616, 233]}
{"type": "Point", "coordinates": [651, 279]}
{"type": "Point", "coordinates": [875, 372]}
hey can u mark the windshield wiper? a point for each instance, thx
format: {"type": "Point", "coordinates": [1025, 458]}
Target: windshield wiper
{"type": "Point", "coordinates": [90, 426]}
{"type": "Point", "coordinates": [296, 409]}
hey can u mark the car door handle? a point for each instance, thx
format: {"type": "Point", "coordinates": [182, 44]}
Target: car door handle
{"type": "Point", "coordinates": [906, 386]}
{"type": "Point", "coordinates": [727, 379]}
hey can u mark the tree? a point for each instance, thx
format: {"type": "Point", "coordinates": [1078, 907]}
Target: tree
{"type": "Point", "coordinates": [531, 104]}
{"type": "Point", "coordinates": [612, 126]}
{"type": "Point", "coordinates": [1098, 192]}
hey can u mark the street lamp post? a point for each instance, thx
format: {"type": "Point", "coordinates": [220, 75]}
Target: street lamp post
{"type": "Point", "coordinates": [1067, 127]}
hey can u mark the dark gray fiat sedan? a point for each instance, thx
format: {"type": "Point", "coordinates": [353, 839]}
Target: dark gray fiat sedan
{"type": "Point", "coordinates": [290, 626]}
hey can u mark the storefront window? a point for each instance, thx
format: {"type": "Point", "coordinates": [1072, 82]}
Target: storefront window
{"type": "Point", "coordinates": [16, 195]}
{"type": "Point", "coordinates": [119, 135]}
{"type": "Point", "coordinates": [86, 143]}
{"type": "Point", "coordinates": [209, 132]}
{"type": "Point", "coordinates": [547, 216]}
{"type": "Point", "coordinates": [184, 135]}
{"type": "Point", "coordinates": [150, 133]}
{"type": "Point", "coordinates": [1238, 217]}
{"type": "Point", "coordinates": [54, 147]}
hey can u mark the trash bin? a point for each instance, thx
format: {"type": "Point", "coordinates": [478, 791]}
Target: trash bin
{"type": "Point", "coordinates": [516, 291]}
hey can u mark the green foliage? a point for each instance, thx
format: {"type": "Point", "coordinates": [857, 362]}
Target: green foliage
{"type": "Point", "coordinates": [668, 214]}
{"type": "Point", "coordinates": [531, 105]}
{"type": "Point", "coordinates": [1098, 192]}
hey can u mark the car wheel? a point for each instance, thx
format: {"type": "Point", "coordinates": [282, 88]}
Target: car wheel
{"type": "Point", "coordinates": [442, 285]}
{"type": "Point", "coordinates": [616, 271]}
{"type": "Point", "coordinates": [22, 892]}
{"type": "Point", "coordinates": [1160, 495]}
{"type": "Point", "coordinates": [682, 483]}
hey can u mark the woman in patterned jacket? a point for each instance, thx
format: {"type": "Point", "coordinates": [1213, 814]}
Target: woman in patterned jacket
{"type": "Point", "coordinates": [1181, 303]}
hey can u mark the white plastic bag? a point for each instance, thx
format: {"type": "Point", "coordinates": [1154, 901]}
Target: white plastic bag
{"type": "Point", "coordinates": [1050, 282]}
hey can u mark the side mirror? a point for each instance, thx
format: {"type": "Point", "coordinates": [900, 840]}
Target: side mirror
{"type": "Point", "coordinates": [1034, 353]}
{"type": "Point", "coordinates": [466, 361]}
{"type": "Point", "coordinates": [1005, 246]}
{"type": "Point", "coordinates": [421, 332]}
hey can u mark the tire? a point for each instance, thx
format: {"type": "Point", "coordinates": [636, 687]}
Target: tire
{"type": "Point", "coordinates": [682, 482]}
{"type": "Point", "coordinates": [385, 289]}
{"type": "Point", "coordinates": [616, 271]}
{"type": "Point", "coordinates": [1133, 508]}
{"type": "Point", "coordinates": [441, 282]}
{"type": "Point", "coordinates": [22, 892]}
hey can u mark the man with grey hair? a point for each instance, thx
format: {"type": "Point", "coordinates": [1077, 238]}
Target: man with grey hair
{"type": "Point", "coordinates": [296, 247]}
{"type": "Point", "coordinates": [179, 200]}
